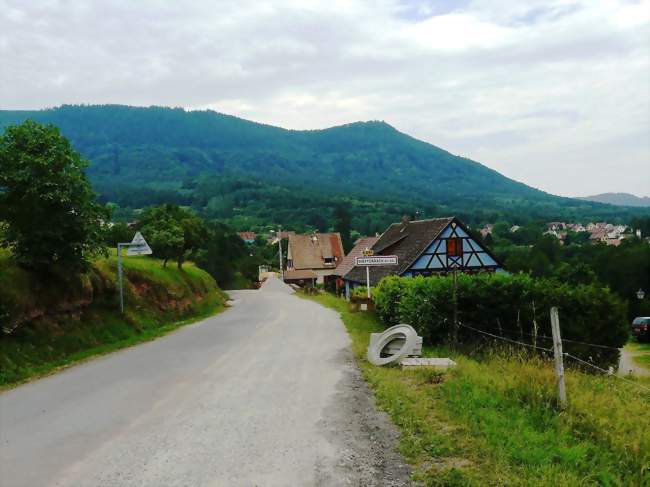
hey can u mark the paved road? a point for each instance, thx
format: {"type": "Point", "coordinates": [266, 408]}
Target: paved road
{"type": "Point", "coordinates": [264, 394]}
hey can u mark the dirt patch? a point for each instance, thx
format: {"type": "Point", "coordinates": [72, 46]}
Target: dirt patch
{"type": "Point", "coordinates": [365, 438]}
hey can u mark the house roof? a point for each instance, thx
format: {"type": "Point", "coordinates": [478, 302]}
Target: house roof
{"type": "Point", "coordinates": [309, 251]}
{"type": "Point", "coordinates": [247, 235]}
{"type": "Point", "coordinates": [406, 240]}
{"type": "Point", "coordinates": [348, 262]}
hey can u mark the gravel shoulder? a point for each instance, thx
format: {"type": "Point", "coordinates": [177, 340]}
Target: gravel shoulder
{"type": "Point", "coordinates": [265, 394]}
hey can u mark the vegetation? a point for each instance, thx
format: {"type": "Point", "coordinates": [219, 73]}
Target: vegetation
{"type": "Point", "coordinates": [71, 317]}
{"type": "Point", "coordinates": [148, 156]}
{"type": "Point", "coordinates": [623, 269]}
{"type": "Point", "coordinates": [175, 232]}
{"type": "Point", "coordinates": [50, 214]}
{"type": "Point", "coordinates": [516, 307]}
{"type": "Point", "coordinates": [493, 419]}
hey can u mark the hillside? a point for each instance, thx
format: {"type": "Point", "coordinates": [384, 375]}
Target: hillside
{"type": "Point", "coordinates": [157, 154]}
{"type": "Point", "coordinates": [69, 318]}
{"type": "Point", "coordinates": [619, 199]}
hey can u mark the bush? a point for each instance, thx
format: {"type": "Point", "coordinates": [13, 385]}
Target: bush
{"type": "Point", "coordinates": [509, 306]}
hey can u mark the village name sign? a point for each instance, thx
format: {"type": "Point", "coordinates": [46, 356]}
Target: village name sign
{"type": "Point", "coordinates": [370, 260]}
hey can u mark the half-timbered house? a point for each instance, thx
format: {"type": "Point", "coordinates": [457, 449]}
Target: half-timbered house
{"type": "Point", "coordinates": [427, 247]}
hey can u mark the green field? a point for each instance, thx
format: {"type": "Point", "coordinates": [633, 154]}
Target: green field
{"type": "Point", "coordinates": [78, 317]}
{"type": "Point", "coordinates": [493, 420]}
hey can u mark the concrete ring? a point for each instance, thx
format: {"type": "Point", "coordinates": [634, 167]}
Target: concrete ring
{"type": "Point", "coordinates": [397, 331]}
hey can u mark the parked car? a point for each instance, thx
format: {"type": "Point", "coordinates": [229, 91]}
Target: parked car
{"type": "Point", "coordinates": [641, 328]}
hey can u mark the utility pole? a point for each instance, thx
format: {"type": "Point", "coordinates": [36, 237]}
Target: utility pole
{"type": "Point", "coordinates": [557, 352]}
{"type": "Point", "coordinates": [119, 273]}
{"type": "Point", "coordinates": [138, 246]}
{"type": "Point", "coordinates": [280, 251]}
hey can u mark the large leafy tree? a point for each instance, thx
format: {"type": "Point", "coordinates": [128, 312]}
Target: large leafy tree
{"type": "Point", "coordinates": [51, 216]}
{"type": "Point", "coordinates": [174, 233]}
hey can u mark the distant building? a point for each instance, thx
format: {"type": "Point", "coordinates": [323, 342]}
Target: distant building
{"type": "Point", "coordinates": [486, 230]}
{"type": "Point", "coordinates": [248, 237]}
{"type": "Point", "coordinates": [425, 247]}
{"type": "Point", "coordinates": [272, 239]}
{"type": "Point", "coordinates": [313, 256]}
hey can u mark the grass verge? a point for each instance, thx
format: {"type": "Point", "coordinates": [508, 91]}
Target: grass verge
{"type": "Point", "coordinates": [79, 318]}
{"type": "Point", "coordinates": [641, 353]}
{"type": "Point", "coordinates": [493, 419]}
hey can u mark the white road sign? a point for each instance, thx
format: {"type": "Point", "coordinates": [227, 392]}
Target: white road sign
{"type": "Point", "coordinates": [138, 246]}
{"type": "Point", "coordinates": [376, 260]}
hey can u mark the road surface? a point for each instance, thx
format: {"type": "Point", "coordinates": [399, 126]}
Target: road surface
{"type": "Point", "coordinates": [264, 394]}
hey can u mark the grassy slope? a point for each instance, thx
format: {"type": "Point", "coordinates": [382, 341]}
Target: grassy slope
{"type": "Point", "coordinates": [493, 421]}
{"type": "Point", "coordinates": [157, 299]}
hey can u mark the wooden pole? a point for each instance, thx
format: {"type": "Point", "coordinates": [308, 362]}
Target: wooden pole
{"type": "Point", "coordinates": [534, 326]}
{"type": "Point", "coordinates": [557, 352]}
{"type": "Point", "coordinates": [119, 276]}
{"type": "Point", "coordinates": [455, 298]}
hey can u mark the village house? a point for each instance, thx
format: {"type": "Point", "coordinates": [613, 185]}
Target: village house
{"type": "Point", "coordinates": [313, 257]}
{"type": "Point", "coordinates": [248, 237]}
{"type": "Point", "coordinates": [273, 237]}
{"type": "Point", "coordinates": [486, 230]}
{"type": "Point", "coordinates": [423, 248]}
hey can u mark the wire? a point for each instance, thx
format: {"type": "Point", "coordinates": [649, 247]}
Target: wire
{"type": "Point", "coordinates": [506, 339]}
{"type": "Point", "coordinates": [565, 354]}
{"type": "Point", "coordinates": [551, 338]}
{"type": "Point", "coordinates": [607, 371]}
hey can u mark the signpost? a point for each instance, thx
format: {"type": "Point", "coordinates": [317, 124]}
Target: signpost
{"type": "Point", "coordinates": [137, 246]}
{"type": "Point", "coordinates": [370, 260]}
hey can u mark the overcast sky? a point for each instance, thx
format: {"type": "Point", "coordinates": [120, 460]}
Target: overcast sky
{"type": "Point", "coordinates": [553, 93]}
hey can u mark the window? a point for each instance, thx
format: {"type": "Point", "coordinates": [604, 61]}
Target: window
{"type": "Point", "coordinates": [454, 247]}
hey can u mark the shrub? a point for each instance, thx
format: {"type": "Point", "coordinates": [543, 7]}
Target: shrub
{"type": "Point", "coordinates": [508, 306]}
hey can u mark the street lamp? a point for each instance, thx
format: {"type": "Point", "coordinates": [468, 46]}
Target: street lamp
{"type": "Point", "coordinates": [640, 294]}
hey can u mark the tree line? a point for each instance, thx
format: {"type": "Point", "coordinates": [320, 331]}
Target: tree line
{"type": "Point", "coordinates": [52, 223]}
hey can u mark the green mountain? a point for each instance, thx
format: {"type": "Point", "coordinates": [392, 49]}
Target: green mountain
{"type": "Point", "coordinates": [619, 199]}
{"type": "Point", "coordinates": [214, 161]}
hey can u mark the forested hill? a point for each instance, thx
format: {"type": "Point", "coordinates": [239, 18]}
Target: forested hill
{"type": "Point", "coordinates": [163, 149]}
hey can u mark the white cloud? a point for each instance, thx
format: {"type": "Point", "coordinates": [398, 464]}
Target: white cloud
{"type": "Point", "coordinates": [550, 92]}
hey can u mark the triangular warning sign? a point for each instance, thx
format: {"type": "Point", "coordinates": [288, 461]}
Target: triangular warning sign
{"type": "Point", "coordinates": [138, 246]}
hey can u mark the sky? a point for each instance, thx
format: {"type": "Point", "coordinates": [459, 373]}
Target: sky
{"type": "Point", "coordinates": [553, 93]}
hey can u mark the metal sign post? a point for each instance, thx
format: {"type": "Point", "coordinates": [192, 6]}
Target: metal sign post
{"type": "Point", "coordinates": [370, 260]}
{"type": "Point", "coordinates": [138, 246]}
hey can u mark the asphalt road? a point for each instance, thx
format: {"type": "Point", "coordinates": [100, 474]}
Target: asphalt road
{"type": "Point", "coordinates": [264, 394]}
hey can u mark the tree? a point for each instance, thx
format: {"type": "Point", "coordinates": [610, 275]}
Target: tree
{"type": "Point", "coordinates": [175, 233]}
{"type": "Point", "coordinates": [52, 218]}
{"type": "Point", "coordinates": [343, 225]}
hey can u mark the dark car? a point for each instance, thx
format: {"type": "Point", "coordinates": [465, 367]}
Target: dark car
{"type": "Point", "coordinates": [641, 328]}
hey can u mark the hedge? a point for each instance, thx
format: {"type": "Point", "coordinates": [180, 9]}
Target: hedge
{"type": "Point", "coordinates": [506, 305]}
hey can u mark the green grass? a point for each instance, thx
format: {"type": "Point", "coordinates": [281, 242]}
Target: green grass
{"type": "Point", "coordinates": [493, 420]}
{"type": "Point", "coordinates": [79, 316]}
{"type": "Point", "coordinates": [641, 353]}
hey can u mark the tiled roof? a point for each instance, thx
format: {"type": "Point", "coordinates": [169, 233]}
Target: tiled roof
{"type": "Point", "coordinates": [348, 262]}
{"type": "Point", "coordinates": [407, 241]}
{"type": "Point", "coordinates": [309, 251]}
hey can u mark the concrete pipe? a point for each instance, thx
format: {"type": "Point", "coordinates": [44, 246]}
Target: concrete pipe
{"type": "Point", "coordinates": [398, 331]}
